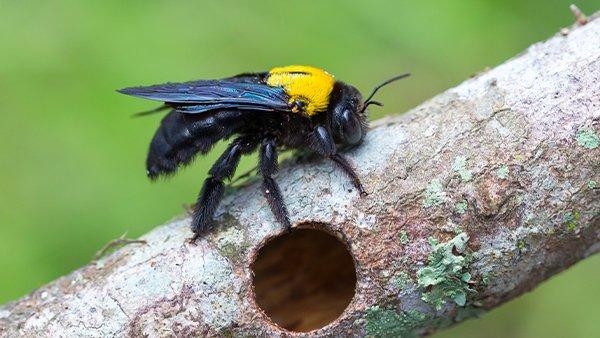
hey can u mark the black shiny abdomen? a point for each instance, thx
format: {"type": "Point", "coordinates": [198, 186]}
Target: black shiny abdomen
{"type": "Point", "coordinates": [181, 136]}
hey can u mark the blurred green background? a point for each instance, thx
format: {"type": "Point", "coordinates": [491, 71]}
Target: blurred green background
{"type": "Point", "coordinates": [72, 160]}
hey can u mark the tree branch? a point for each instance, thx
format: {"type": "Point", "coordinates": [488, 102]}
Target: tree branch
{"type": "Point", "coordinates": [476, 196]}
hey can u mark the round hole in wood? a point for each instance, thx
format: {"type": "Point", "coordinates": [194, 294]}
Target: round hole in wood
{"type": "Point", "coordinates": [304, 280]}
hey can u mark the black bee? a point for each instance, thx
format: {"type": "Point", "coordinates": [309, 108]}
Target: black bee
{"type": "Point", "coordinates": [288, 107]}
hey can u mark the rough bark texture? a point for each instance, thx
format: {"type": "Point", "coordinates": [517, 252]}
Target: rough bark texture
{"type": "Point", "coordinates": [476, 196]}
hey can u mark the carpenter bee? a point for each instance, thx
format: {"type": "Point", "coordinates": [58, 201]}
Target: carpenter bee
{"type": "Point", "coordinates": [288, 107]}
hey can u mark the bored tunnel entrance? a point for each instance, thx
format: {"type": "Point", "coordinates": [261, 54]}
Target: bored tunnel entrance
{"type": "Point", "coordinates": [304, 280]}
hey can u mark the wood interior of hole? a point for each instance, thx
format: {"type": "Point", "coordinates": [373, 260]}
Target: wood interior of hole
{"type": "Point", "coordinates": [304, 280]}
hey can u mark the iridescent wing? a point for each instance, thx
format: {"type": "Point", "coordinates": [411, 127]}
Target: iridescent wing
{"type": "Point", "coordinates": [245, 92]}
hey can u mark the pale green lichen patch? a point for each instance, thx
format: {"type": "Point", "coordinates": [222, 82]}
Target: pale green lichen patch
{"type": "Point", "coordinates": [502, 172]}
{"type": "Point", "coordinates": [592, 184]}
{"type": "Point", "coordinates": [446, 276]}
{"type": "Point", "coordinates": [401, 279]}
{"type": "Point", "coordinates": [386, 322]}
{"type": "Point", "coordinates": [521, 245]}
{"type": "Point", "coordinates": [571, 219]}
{"type": "Point", "coordinates": [451, 227]}
{"type": "Point", "coordinates": [403, 237]}
{"type": "Point", "coordinates": [587, 138]}
{"type": "Point", "coordinates": [461, 207]}
{"type": "Point", "coordinates": [460, 166]}
{"type": "Point", "coordinates": [230, 242]}
{"type": "Point", "coordinates": [457, 229]}
{"type": "Point", "coordinates": [486, 278]}
{"type": "Point", "coordinates": [434, 194]}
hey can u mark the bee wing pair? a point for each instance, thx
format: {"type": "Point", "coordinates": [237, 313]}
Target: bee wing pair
{"type": "Point", "coordinates": [246, 92]}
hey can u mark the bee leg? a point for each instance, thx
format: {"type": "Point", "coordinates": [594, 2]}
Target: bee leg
{"type": "Point", "coordinates": [268, 166]}
{"type": "Point", "coordinates": [321, 141]}
{"type": "Point", "coordinates": [213, 187]}
{"type": "Point", "coordinates": [343, 163]}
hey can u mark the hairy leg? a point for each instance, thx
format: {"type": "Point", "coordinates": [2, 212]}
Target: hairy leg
{"type": "Point", "coordinates": [212, 190]}
{"type": "Point", "coordinates": [322, 142]}
{"type": "Point", "coordinates": [343, 163]}
{"type": "Point", "coordinates": [268, 166]}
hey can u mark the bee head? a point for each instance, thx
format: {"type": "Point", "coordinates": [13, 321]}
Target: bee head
{"type": "Point", "coordinates": [348, 111]}
{"type": "Point", "coordinates": [348, 119]}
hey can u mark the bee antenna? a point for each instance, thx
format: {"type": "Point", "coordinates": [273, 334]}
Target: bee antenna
{"type": "Point", "coordinates": [379, 86]}
{"type": "Point", "coordinates": [377, 103]}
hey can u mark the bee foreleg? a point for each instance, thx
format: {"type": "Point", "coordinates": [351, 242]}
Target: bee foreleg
{"type": "Point", "coordinates": [343, 163]}
{"type": "Point", "coordinates": [212, 190]}
{"type": "Point", "coordinates": [267, 167]}
{"type": "Point", "coordinates": [321, 141]}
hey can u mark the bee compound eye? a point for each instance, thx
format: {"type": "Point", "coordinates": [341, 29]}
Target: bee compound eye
{"type": "Point", "coordinates": [351, 127]}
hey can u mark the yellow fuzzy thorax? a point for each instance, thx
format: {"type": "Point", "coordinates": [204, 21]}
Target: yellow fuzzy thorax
{"type": "Point", "coordinates": [309, 85]}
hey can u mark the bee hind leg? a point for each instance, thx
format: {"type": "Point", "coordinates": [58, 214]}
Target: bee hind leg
{"type": "Point", "coordinates": [213, 187]}
{"type": "Point", "coordinates": [268, 166]}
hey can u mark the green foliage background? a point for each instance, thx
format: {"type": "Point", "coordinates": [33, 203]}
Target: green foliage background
{"type": "Point", "coordinates": [71, 159]}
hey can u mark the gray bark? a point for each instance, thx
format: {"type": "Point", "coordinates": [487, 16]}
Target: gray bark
{"type": "Point", "coordinates": [476, 196]}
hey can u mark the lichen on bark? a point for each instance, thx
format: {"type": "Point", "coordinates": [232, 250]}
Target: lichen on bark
{"type": "Point", "coordinates": [446, 275]}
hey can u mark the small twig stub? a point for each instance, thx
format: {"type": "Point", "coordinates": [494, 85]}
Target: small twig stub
{"type": "Point", "coordinates": [115, 244]}
{"type": "Point", "coordinates": [580, 17]}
